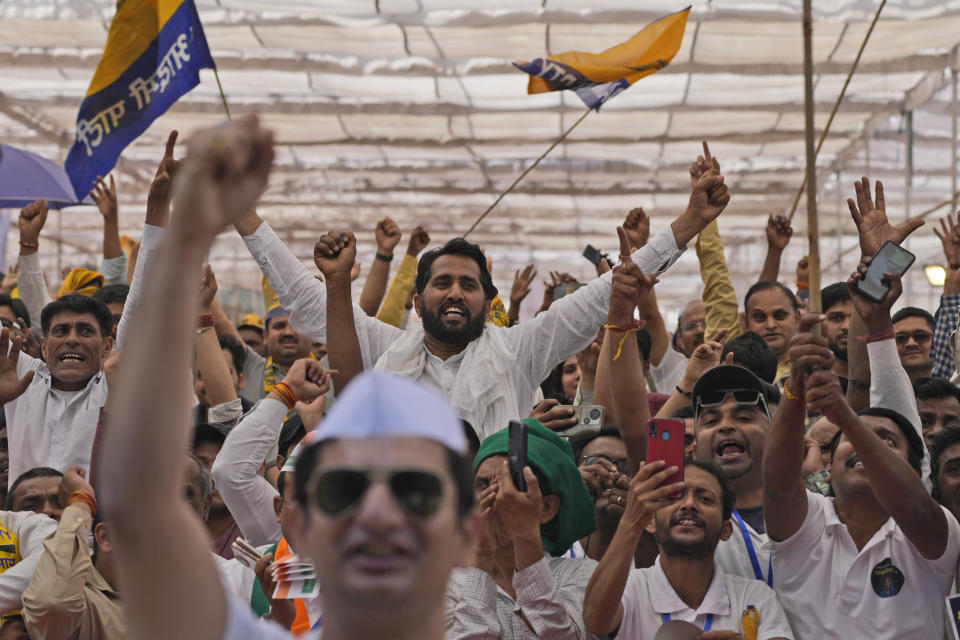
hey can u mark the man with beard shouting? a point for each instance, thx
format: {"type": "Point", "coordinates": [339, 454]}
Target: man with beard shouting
{"type": "Point", "coordinates": [488, 374]}
{"type": "Point", "coordinates": [686, 583]}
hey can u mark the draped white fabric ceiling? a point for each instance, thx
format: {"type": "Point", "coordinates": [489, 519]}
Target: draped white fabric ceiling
{"type": "Point", "coordinates": [411, 108]}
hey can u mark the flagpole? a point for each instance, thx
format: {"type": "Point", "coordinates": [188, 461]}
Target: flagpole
{"type": "Point", "coordinates": [836, 105]}
{"type": "Point", "coordinates": [528, 170]}
{"type": "Point", "coordinates": [222, 96]}
{"type": "Point", "coordinates": [813, 233]}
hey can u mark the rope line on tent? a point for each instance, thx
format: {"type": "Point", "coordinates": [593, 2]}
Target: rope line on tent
{"type": "Point", "coordinates": [836, 105]}
{"type": "Point", "coordinates": [524, 174]}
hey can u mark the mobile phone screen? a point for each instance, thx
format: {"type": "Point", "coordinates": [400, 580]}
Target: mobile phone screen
{"type": "Point", "coordinates": [891, 258]}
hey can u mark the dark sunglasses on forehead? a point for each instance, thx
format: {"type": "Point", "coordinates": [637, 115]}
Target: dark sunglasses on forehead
{"type": "Point", "coordinates": [621, 463]}
{"type": "Point", "coordinates": [744, 397]}
{"type": "Point", "coordinates": [337, 492]}
{"type": "Point", "coordinates": [920, 336]}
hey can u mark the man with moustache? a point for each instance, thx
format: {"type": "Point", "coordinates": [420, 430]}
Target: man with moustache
{"type": "Point", "coordinates": [686, 582]}
{"type": "Point", "coordinates": [732, 414]}
{"type": "Point", "coordinates": [838, 308]}
{"type": "Point", "coordinates": [489, 374]}
{"type": "Point", "coordinates": [913, 332]}
{"type": "Point", "coordinates": [771, 310]}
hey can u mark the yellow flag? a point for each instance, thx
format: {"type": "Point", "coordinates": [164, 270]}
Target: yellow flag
{"type": "Point", "coordinates": [597, 77]}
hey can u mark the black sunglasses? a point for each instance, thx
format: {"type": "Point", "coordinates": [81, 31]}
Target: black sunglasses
{"type": "Point", "coordinates": [622, 465]}
{"type": "Point", "coordinates": [740, 396]}
{"type": "Point", "coordinates": [336, 492]}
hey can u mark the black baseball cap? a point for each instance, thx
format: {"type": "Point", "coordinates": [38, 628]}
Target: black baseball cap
{"type": "Point", "coordinates": [732, 377]}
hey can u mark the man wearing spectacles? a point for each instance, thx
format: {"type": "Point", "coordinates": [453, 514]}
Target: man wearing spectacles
{"type": "Point", "coordinates": [913, 331]}
{"type": "Point", "coordinates": [732, 414]}
{"type": "Point", "coordinates": [602, 460]}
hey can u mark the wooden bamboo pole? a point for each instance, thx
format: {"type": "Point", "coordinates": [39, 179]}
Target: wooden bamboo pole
{"type": "Point", "coordinates": [813, 230]}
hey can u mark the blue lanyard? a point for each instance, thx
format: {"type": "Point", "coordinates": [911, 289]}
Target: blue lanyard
{"type": "Point", "coordinates": [753, 553]}
{"type": "Point", "coordinates": [706, 627]}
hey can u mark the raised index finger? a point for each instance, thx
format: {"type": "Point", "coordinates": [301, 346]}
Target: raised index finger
{"type": "Point", "coordinates": [706, 151]}
{"type": "Point", "coordinates": [171, 143]}
{"type": "Point", "coordinates": [807, 320]}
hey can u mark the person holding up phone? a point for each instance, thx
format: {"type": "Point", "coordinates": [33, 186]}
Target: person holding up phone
{"type": "Point", "coordinates": [876, 560]}
{"type": "Point", "coordinates": [686, 583]}
{"type": "Point", "coordinates": [521, 562]}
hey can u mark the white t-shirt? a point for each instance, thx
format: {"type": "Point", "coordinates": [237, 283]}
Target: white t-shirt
{"type": "Point", "coordinates": [733, 556]}
{"type": "Point", "coordinates": [886, 590]}
{"type": "Point", "coordinates": [668, 374]}
{"type": "Point", "coordinates": [649, 596]}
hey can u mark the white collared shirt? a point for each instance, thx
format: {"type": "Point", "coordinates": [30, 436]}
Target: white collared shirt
{"type": "Point", "coordinates": [885, 590]}
{"type": "Point", "coordinates": [51, 428]}
{"type": "Point", "coordinates": [732, 554]}
{"type": "Point", "coordinates": [500, 371]}
{"type": "Point", "coordinates": [649, 596]}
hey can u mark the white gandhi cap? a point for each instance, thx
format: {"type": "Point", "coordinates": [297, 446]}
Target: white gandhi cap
{"type": "Point", "coordinates": [377, 405]}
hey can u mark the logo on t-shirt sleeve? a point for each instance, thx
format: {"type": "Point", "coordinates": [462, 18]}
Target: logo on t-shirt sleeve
{"type": "Point", "coordinates": [886, 579]}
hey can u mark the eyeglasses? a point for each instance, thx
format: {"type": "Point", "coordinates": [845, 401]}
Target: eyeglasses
{"type": "Point", "coordinates": [336, 492]}
{"type": "Point", "coordinates": [9, 324]}
{"type": "Point", "coordinates": [693, 325]}
{"type": "Point", "coordinates": [743, 397]}
{"type": "Point", "coordinates": [622, 465]}
{"type": "Point", "coordinates": [919, 336]}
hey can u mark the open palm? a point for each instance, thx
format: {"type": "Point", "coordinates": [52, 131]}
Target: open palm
{"type": "Point", "coordinates": [871, 219]}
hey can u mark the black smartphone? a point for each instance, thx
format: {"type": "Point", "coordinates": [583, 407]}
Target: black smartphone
{"type": "Point", "coordinates": [892, 258]}
{"type": "Point", "coordinates": [517, 453]}
{"type": "Point", "coordinates": [592, 254]}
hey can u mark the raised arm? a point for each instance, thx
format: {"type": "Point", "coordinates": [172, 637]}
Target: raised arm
{"type": "Point", "coordinates": [158, 212]}
{"type": "Point", "coordinates": [236, 471]}
{"type": "Point", "coordinates": [388, 235]}
{"type": "Point", "coordinates": [225, 172]}
{"type": "Point", "coordinates": [896, 485]}
{"type": "Point", "coordinates": [334, 254]}
{"type": "Point", "coordinates": [873, 230]}
{"type": "Point", "coordinates": [719, 296]}
{"type": "Point", "coordinates": [705, 357]}
{"type": "Point", "coordinates": [106, 198]}
{"type": "Point", "coordinates": [210, 361]}
{"type": "Point", "coordinates": [30, 281]}
{"type": "Point", "coordinates": [602, 610]}
{"type": "Point", "coordinates": [948, 313]}
{"type": "Point", "coordinates": [402, 286]}
{"type": "Point", "coordinates": [784, 494]}
{"type": "Point", "coordinates": [519, 291]}
{"type": "Point", "coordinates": [625, 392]}
{"type": "Point", "coordinates": [778, 235]}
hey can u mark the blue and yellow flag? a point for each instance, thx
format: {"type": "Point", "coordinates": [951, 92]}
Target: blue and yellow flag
{"type": "Point", "coordinates": [154, 52]}
{"type": "Point", "coordinates": [597, 77]}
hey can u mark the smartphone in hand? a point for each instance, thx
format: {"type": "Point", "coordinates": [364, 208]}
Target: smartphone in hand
{"type": "Point", "coordinates": [665, 442]}
{"type": "Point", "coordinates": [517, 453]}
{"type": "Point", "coordinates": [892, 258]}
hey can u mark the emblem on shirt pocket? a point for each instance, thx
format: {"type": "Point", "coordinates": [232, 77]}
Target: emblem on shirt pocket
{"type": "Point", "coordinates": [886, 579]}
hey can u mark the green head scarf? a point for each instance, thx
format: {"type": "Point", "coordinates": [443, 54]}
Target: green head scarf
{"type": "Point", "coordinates": [551, 459]}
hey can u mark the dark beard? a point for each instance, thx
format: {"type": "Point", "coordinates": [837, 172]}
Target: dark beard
{"type": "Point", "coordinates": [433, 325]}
{"type": "Point", "coordinates": [841, 354]}
{"type": "Point", "coordinates": [669, 546]}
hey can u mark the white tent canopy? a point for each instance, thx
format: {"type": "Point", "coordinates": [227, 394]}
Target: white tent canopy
{"type": "Point", "coordinates": [412, 108]}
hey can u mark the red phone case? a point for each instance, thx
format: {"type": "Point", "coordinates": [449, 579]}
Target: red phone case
{"type": "Point", "coordinates": [665, 442]}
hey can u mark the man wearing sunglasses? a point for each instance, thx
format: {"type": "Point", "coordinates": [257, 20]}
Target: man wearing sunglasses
{"type": "Point", "coordinates": [732, 414]}
{"type": "Point", "coordinates": [913, 332]}
{"type": "Point", "coordinates": [383, 499]}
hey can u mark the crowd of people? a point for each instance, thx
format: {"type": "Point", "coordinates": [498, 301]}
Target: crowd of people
{"type": "Point", "coordinates": [153, 443]}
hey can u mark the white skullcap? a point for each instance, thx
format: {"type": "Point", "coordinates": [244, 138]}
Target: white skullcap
{"type": "Point", "coordinates": [377, 405]}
